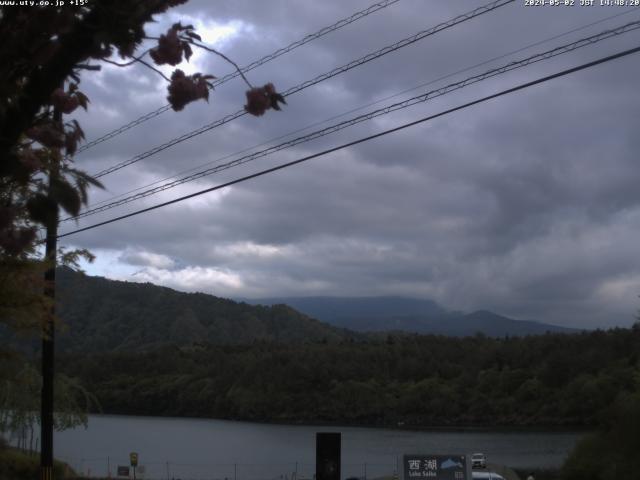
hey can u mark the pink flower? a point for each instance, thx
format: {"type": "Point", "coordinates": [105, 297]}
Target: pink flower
{"type": "Point", "coordinates": [257, 102]}
{"type": "Point", "coordinates": [63, 101]}
{"type": "Point", "coordinates": [47, 135]}
{"type": "Point", "coordinates": [261, 99]}
{"type": "Point", "coordinates": [170, 47]}
{"type": "Point", "coordinates": [185, 89]}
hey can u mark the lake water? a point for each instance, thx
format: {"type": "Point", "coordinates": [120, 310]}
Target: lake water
{"type": "Point", "coordinates": [206, 449]}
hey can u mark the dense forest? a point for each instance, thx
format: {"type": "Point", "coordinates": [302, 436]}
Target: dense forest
{"type": "Point", "coordinates": [98, 314]}
{"type": "Point", "coordinates": [548, 380]}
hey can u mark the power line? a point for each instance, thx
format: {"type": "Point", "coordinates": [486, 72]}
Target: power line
{"type": "Point", "coordinates": [267, 58]}
{"type": "Point", "coordinates": [320, 78]}
{"type": "Point", "coordinates": [373, 114]}
{"type": "Point", "coordinates": [361, 107]}
{"type": "Point", "coordinates": [364, 139]}
{"type": "Point", "coordinates": [397, 106]}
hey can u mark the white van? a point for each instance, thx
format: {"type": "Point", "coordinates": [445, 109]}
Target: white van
{"type": "Point", "coordinates": [478, 460]}
{"type": "Point", "coordinates": [486, 476]}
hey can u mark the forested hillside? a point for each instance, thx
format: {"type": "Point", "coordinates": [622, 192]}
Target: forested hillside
{"type": "Point", "coordinates": [103, 315]}
{"type": "Point", "coordinates": [98, 314]}
{"type": "Point", "coordinates": [554, 379]}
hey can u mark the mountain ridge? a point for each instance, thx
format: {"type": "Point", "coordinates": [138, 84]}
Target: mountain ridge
{"type": "Point", "coordinates": [103, 315]}
{"type": "Point", "coordinates": [410, 315]}
{"type": "Point", "coordinates": [99, 314]}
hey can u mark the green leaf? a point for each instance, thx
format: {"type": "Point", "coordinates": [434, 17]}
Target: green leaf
{"type": "Point", "coordinates": [80, 175]}
{"type": "Point", "coordinates": [68, 196]}
{"type": "Point", "coordinates": [41, 208]}
{"type": "Point", "coordinates": [82, 99]}
{"type": "Point", "coordinates": [187, 50]}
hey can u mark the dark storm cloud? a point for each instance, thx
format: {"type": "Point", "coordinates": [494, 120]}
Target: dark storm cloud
{"type": "Point", "coordinates": [527, 205]}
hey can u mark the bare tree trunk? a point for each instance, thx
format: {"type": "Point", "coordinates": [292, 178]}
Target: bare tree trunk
{"type": "Point", "coordinates": [31, 451]}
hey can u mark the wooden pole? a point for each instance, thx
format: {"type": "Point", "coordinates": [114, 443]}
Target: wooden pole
{"type": "Point", "coordinates": [48, 333]}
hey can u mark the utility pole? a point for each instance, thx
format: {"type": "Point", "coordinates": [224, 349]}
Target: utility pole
{"type": "Point", "coordinates": [48, 329]}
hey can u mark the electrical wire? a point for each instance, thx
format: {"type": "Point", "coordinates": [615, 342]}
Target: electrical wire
{"type": "Point", "coordinates": [362, 140]}
{"type": "Point", "coordinates": [361, 107]}
{"type": "Point", "coordinates": [267, 58]}
{"type": "Point", "coordinates": [593, 39]}
{"type": "Point", "coordinates": [320, 78]}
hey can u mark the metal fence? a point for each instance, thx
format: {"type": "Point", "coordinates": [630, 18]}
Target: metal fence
{"type": "Point", "coordinates": [107, 467]}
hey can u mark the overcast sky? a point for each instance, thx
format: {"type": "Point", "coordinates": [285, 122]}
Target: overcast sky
{"type": "Point", "coordinates": [527, 205]}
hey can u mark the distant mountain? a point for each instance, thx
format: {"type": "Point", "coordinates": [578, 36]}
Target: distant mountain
{"type": "Point", "coordinates": [102, 315]}
{"type": "Point", "coordinates": [495, 325]}
{"type": "Point", "coordinates": [324, 308]}
{"type": "Point", "coordinates": [376, 314]}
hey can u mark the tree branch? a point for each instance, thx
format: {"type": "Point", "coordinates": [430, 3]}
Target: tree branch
{"type": "Point", "coordinates": [204, 47]}
{"type": "Point", "coordinates": [136, 59]}
{"type": "Point", "coordinates": [76, 46]}
{"type": "Point", "coordinates": [142, 62]}
{"type": "Point", "coordinates": [84, 66]}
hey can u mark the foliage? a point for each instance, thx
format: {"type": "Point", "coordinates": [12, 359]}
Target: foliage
{"type": "Point", "coordinates": [18, 465]}
{"type": "Point", "coordinates": [55, 45]}
{"type": "Point", "coordinates": [99, 314]}
{"type": "Point", "coordinates": [21, 384]}
{"type": "Point", "coordinates": [22, 304]}
{"type": "Point", "coordinates": [417, 380]}
{"type": "Point", "coordinates": [43, 51]}
{"type": "Point", "coordinates": [612, 452]}
{"type": "Point", "coordinates": [261, 99]}
{"type": "Point", "coordinates": [539, 473]}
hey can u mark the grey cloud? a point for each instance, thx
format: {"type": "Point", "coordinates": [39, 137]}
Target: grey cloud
{"type": "Point", "coordinates": [146, 259]}
{"type": "Point", "coordinates": [527, 205]}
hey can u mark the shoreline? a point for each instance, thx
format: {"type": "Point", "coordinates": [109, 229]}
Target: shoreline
{"type": "Point", "coordinates": [410, 428]}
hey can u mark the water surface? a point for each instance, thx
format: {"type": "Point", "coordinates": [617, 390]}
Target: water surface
{"type": "Point", "coordinates": [188, 448]}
